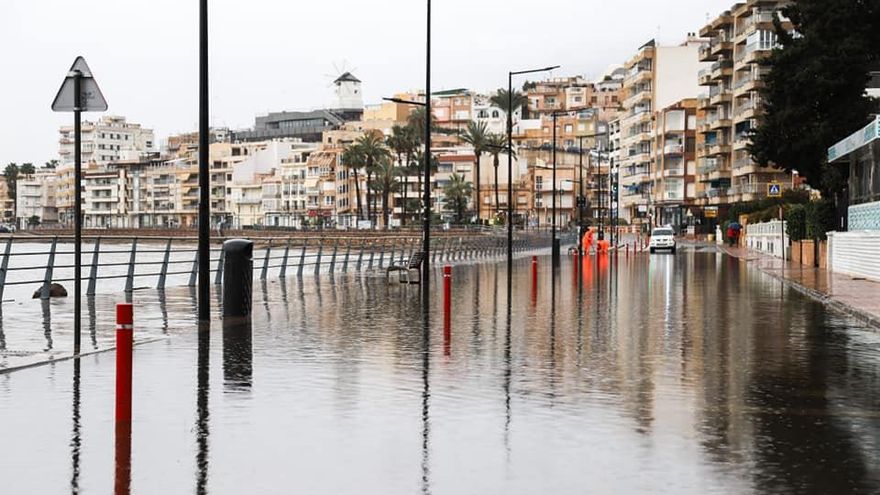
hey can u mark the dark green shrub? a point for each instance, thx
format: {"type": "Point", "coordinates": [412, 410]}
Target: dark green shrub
{"type": "Point", "coordinates": [796, 222]}
{"type": "Point", "coordinates": [819, 219]}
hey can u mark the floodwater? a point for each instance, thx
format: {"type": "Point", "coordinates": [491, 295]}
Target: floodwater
{"type": "Point", "coordinates": [649, 374]}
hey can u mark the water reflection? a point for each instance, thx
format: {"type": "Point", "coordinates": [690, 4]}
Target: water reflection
{"type": "Point", "coordinates": [426, 398]}
{"type": "Point", "coordinates": [203, 374]}
{"type": "Point", "coordinates": [677, 374]}
{"type": "Point", "coordinates": [122, 459]}
{"type": "Point", "coordinates": [75, 439]}
{"type": "Point", "coordinates": [93, 320]}
{"type": "Point", "coordinates": [238, 354]}
{"type": "Point", "coordinates": [47, 323]}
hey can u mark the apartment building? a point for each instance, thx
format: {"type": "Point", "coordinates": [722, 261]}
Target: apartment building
{"type": "Point", "coordinates": [738, 39]}
{"type": "Point", "coordinates": [111, 138]}
{"type": "Point", "coordinates": [35, 199]}
{"type": "Point", "coordinates": [7, 204]}
{"type": "Point", "coordinates": [674, 184]}
{"type": "Point", "coordinates": [657, 76]}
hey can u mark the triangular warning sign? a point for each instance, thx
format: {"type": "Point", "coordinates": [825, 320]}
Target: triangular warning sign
{"type": "Point", "coordinates": [91, 98]}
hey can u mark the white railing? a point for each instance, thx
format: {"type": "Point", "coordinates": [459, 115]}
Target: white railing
{"type": "Point", "coordinates": [767, 238]}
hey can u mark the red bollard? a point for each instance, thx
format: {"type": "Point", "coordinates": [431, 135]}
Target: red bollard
{"type": "Point", "coordinates": [124, 342]}
{"type": "Point", "coordinates": [447, 309]}
{"type": "Point", "coordinates": [534, 280]}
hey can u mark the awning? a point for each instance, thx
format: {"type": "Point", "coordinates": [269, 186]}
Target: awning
{"type": "Point", "coordinates": [869, 133]}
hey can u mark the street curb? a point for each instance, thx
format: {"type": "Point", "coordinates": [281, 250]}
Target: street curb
{"type": "Point", "coordinates": [864, 317]}
{"type": "Point", "coordinates": [71, 356]}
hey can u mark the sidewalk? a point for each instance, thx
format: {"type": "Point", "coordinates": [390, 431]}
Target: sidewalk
{"type": "Point", "coordinates": [858, 298]}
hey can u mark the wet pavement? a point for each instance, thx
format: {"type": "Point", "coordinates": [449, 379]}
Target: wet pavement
{"type": "Point", "coordinates": [650, 374]}
{"type": "Point", "coordinates": [856, 296]}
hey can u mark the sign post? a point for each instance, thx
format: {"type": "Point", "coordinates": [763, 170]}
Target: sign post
{"type": "Point", "coordinates": [79, 93]}
{"type": "Point", "coordinates": [774, 190]}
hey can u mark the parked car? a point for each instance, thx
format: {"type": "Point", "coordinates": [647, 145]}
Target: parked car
{"type": "Point", "coordinates": [5, 230]}
{"type": "Point", "coordinates": [662, 238]}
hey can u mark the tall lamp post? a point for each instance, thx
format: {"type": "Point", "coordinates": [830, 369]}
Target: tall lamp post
{"type": "Point", "coordinates": [510, 199]}
{"type": "Point", "coordinates": [204, 251]}
{"type": "Point", "coordinates": [426, 229]}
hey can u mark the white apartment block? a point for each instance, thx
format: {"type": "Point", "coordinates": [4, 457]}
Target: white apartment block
{"type": "Point", "coordinates": [657, 76]}
{"type": "Point", "coordinates": [35, 198]}
{"type": "Point", "coordinates": [738, 39]}
{"type": "Point", "coordinates": [109, 139]}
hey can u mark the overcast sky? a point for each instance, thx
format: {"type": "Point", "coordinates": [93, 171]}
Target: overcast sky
{"type": "Point", "coordinates": [280, 54]}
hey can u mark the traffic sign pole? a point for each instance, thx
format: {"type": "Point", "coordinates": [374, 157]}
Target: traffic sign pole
{"type": "Point", "coordinates": [77, 208]}
{"type": "Point", "coordinates": [78, 93]}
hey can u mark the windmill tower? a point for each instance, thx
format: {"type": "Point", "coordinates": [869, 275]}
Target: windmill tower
{"type": "Point", "coordinates": [348, 92]}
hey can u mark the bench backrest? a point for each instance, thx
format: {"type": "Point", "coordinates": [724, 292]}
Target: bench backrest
{"type": "Point", "coordinates": [416, 260]}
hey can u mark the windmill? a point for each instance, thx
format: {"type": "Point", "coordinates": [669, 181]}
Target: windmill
{"type": "Point", "coordinates": [347, 87]}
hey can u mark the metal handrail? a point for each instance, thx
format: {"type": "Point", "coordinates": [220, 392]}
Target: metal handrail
{"type": "Point", "coordinates": [328, 253]}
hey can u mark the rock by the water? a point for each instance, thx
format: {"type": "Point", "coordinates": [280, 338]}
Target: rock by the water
{"type": "Point", "coordinates": [55, 290]}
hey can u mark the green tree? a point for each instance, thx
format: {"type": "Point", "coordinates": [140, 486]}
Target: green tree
{"type": "Point", "coordinates": [53, 164]}
{"type": "Point", "coordinates": [814, 93]}
{"type": "Point", "coordinates": [353, 159]}
{"type": "Point", "coordinates": [497, 145]}
{"type": "Point", "coordinates": [476, 135]}
{"type": "Point", "coordinates": [372, 145]}
{"type": "Point", "coordinates": [420, 160]}
{"type": "Point", "coordinates": [403, 142]}
{"type": "Point", "coordinates": [11, 174]}
{"type": "Point", "coordinates": [502, 100]}
{"type": "Point", "coordinates": [458, 192]}
{"type": "Point", "coordinates": [385, 183]}
{"type": "Point", "coordinates": [27, 169]}
{"type": "Point", "coordinates": [416, 120]}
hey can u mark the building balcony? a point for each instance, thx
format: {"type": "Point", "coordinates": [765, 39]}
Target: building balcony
{"type": "Point", "coordinates": [704, 102]}
{"type": "Point", "coordinates": [640, 157]}
{"type": "Point", "coordinates": [710, 165]}
{"type": "Point", "coordinates": [722, 69]}
{"type": "Point", "coordinates": [716, 149]}
{"type": "Point", "coordinates": [721, 46]}
{"type": "Point", "coordinates": [674, 172]}
{"type": "Point", "coordinates": [705, 77]}
{"type": "Point", "coordinates": [673, 149]}
{"type": "Point", "coordinates": [711, 29]}
{"type": "Point", "coordinates": [720, 123]}
{"type": "Point", "coordinates": [746, 110]}
{"type": "Point", "coordinates": [720, 96]}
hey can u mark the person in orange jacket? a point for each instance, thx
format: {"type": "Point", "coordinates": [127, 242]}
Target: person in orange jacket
{"type": "Point", "coordinates": [587, 241]}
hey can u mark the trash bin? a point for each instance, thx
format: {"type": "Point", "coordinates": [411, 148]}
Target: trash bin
{"type": "Point", "coordinates": [238, 276]}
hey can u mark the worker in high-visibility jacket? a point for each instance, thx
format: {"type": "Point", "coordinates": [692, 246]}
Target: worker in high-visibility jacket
{"type": "Point", "coordinates": [587, 240]}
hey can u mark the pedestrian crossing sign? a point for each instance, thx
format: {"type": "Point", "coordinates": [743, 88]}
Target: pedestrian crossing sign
{"type": "Point", "coordinates": [774, 190]}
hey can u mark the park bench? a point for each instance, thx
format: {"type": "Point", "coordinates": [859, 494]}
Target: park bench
{"type": "Point", "coordinates": [406, 266]}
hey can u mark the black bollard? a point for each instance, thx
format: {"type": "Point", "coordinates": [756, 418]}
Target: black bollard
{"type": "Point", "coordinates": [238, 277]}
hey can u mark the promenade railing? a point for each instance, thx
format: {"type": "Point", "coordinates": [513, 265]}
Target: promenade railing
{"type": "Point", "coordinates": [40, 261]}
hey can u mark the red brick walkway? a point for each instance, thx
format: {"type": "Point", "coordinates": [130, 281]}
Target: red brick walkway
{"type": "Point", "coordinates": [857, 297]}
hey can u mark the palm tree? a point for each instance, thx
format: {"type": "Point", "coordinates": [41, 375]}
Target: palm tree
{"type": "Point", "coordinates": [53, 164]}
{"type": "Point", "coordinates": [401, 143]}
{"type": "Point", "coordinates": [385, 183]}
{"type": "Point", "coordinates": [11, 174]}
{"type": "Point", "coordinates": [416, 120]}
{"type": "Point", "coordinates": [353, 159]}
{"type": "Point", "coordinates": [373, 147]}
{"type": "Point", "coordinates": [420, 162]}
{"type": "Point", "coordinates": [502, 101]}
{"type": "Point", "coordinates": [475, 135]}
{"type": "Point", "coordinates": [497, 144]}
{"type": "Point", "coordinates": [457, 194]}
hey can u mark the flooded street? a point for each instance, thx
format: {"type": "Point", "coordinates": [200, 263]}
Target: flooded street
{"type": "Point", "coordinates": [643, 374]}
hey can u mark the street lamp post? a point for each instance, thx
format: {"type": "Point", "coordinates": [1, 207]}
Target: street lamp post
{"type": "Point", "coordinates": [554, 239]}
{"type": "Point", "coordinates": [204, 252]}
{"type": "Point", "coordinates": [426, 229]}
{"type": "Point", "coordinates": [510, 199]}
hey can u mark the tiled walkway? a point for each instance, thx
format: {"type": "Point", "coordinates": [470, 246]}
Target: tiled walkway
{"type": "Point", "coordinates": [857, 297]}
